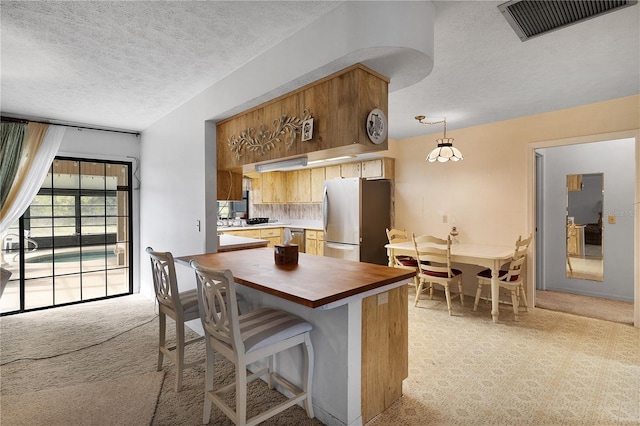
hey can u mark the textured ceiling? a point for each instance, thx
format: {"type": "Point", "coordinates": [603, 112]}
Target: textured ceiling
{"type": "Point", "coordinates": [125, 65]}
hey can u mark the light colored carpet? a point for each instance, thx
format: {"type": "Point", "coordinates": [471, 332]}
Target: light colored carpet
{"type": "Point", "coordinates": [127, 400]}
{"type": "Point", "coordinates": [592, 307]}
{"type": "Point", "coordinates": [550, 368]}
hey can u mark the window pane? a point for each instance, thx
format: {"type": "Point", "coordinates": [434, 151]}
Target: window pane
{"type": "Point", "coordinates": [94, 285]}
{"type": "Point", "coordinates": [67, 289]}
{"type": "Point", "coordinates": [118, 280]}
{"type": "Point", "coordinates": [92, 205]}
{"type": "Point", "coordinates": [38, 293]}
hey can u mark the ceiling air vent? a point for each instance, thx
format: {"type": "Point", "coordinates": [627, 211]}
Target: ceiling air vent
{"type": "Point", "coordinates": [530, 18]}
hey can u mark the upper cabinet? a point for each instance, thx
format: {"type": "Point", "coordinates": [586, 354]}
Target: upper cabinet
{"type": "Point", "coordinates": [338, 106]}
{"type": "Point", "coordinates": [307, 185]}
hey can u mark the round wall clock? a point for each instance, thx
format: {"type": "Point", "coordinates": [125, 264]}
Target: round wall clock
{"type": "Point", "coordinates": [377, 126]}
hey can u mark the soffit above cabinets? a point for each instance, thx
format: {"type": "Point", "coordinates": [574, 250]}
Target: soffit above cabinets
{"type": "Point", "coordinates": [338, 106]}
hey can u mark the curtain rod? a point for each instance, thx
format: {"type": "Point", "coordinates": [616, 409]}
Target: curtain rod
{"type": "Point", "coordinates": [25, 120]}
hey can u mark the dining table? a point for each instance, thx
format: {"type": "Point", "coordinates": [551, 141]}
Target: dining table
{"type": "Point", "coordinates": [487, 256]}
{"type": "Point", "coordinates": [359, 313]}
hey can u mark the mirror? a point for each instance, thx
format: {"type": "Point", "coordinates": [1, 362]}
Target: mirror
{"type": "Point", "coordinates": [585, 239]}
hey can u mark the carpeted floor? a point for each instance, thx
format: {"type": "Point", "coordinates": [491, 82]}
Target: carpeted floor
{"type": "Point", "coordinates": [549, 368]}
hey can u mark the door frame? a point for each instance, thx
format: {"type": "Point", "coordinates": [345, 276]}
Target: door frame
{"type": "Point", "coordinates": [532, 206]}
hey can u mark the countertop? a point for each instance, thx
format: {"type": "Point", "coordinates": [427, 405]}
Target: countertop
{"type": "Point", "coordinates": [314, 282]}
{"type": "Point", "coordinates": [233, 242]}
{"type": "Point", "coordinates": [315, 225]}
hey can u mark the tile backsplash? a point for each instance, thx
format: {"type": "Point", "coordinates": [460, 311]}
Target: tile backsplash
{"type": "Point", "coordinates": [312, 211]}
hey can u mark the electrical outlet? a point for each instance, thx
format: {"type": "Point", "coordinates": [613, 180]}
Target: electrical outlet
{"type": "Point", "coordinates": [445, 219]}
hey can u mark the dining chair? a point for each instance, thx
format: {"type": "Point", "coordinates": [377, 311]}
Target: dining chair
{"type": "Point", "coordinates": [245, 339]}
{"type": "Point", "coordinates": [180, 306]}
{"type": "Point", "coordinates": [512, 279]}
{"type": "Point", "coordinates": [402, 261]}
{"type": "Point", "coordinates": [434, 261]}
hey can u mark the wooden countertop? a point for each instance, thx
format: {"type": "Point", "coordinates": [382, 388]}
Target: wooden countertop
{"type": "Point", "coordinates": [315, 281]}
{"type": "Point", "coordinates": [233, 242]}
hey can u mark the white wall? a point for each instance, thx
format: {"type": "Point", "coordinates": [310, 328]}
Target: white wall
{"type": "Point", "coordinates": [616, 160]}
{"type": "Point", "coordinates": [103, 145]}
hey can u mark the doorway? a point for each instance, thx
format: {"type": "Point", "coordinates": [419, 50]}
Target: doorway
{"type": "Point", "coordinates": [73, 244]}
{"type": "Point", "coordinates": [553, 163]}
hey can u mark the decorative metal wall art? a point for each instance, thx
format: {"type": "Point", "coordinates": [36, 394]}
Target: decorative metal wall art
{"type": "Point", "coordinates": [262, 140]}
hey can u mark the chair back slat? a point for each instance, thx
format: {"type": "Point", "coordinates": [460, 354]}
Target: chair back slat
{"type": "Point", "coordinates": [164, 279]}
{"type": "Point", "coordinates": [518, 259]}
{"type": "Point", "coordinates": [218, 305]}
{"type": "Point", "coordinates": [434, 255]}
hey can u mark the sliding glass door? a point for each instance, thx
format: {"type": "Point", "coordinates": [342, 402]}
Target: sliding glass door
{"type": "Point", "coordinates": [73, 243]}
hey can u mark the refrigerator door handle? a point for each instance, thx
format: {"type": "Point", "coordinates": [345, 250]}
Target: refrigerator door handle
{"type": "Point", "coordinates": [345, 247]}
{"type": "Point", "coordinates": [325, 209]}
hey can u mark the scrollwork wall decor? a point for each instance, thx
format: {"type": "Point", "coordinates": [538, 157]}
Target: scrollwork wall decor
{"type": "Point", "coordinates": [262, 140]}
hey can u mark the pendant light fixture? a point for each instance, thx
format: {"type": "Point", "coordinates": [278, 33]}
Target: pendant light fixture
{"type": "Point", "coordinates": [445, 150]}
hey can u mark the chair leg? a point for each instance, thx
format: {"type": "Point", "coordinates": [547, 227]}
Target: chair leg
{"type": "Point", "coordinates": [271, 366]}
{"type": "Point", "coordinates": [307, 382]}
{"type": "Point", "coordinates": [478, 294]}
{"type": "Point", "coordinates": [522, 295]}
{"type": "Point", "coordinates": [431, 291]}
{"type": "Point", "coordinates": [162, 320]}
{"type": "Point", "coordinates": [447, 294]}
{"type": "Point", "coordinates": [514, 301]}
{"type": "Point", "coordinates": [461, 292]}
{"type": "Point", "coordinates": [179, 354]}
{"type": "Point", "coordinates": [241, 393]}
{"type": "Point", "coordinates": [208, 385]}
{"type": "Point", "coordinates": [418, 291]}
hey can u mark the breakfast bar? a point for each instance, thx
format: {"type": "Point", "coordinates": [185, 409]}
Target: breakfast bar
{"type": "Point", "coordinates": [360, 318]}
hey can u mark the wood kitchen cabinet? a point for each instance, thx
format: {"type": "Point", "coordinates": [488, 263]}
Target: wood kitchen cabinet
{"type": "Point", "coordinates": [273, 235]}
{"type": "Point", "coordinates": [332, 172]}
{"type": "Point", "coordinates": [379, 168]}
{"type": "Point", "coordinates": [350, 170]}
{"type": "Point", "coordinates": [317, 184]}
{"type": "Point", "coordinates": [314, 242]}
{"type": "Point", "coordinates": [298, 186]}
{"type": "Point", "coordinates": [273, 187]}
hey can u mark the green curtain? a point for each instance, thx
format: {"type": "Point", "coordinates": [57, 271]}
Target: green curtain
{"type": "Point", "coordinates": [13, 134]}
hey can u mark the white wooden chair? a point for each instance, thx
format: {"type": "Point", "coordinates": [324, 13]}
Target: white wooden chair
{"type": "Point", "coordinates": [245, 339]}
{"type": "Point", "coordinates": [180, 306]}
{"type": "Point", "coordinates": [512, 279]}
{"type": "Point", "coordinates": [434, 261]}
{"type": "Point", "coordinates": [403, 261]}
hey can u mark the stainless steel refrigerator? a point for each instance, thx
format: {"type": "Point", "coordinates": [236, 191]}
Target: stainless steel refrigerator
{"type": "Point", "coordinates": [356, 214]}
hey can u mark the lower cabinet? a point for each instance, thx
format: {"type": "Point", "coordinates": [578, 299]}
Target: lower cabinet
{"type": "Point", "coordinates": [314, 242]}
{"type": "Point", "coordinates": [273, 235]}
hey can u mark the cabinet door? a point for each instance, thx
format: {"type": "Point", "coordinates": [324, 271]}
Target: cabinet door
{"type": "Point", "coordinates": [273, 187]}
{"type": "Point", "coordinates": [320, 244]}
{"type": "Point", "coordinates": [291, 187]}
{"type": "Point", "coordinates": [317, 184]}
{"type": "Point", "coordinates": [372, 169]}
{"type": "Point", "coordinates": [349, 170]}
{"type": "Point", "coordinates": [304, 186]}
{"type": "Point", "coordinates": [332, 172]}
{"type": "Point", "coordinates": [273, 235]}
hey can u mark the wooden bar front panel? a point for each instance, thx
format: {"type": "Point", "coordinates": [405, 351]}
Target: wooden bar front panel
{"type": "Point", "coordinates": [385, 348]}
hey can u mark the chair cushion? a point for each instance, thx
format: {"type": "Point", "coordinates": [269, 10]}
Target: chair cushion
{"type": "Point", "coordinates": [189, 301]}
{"type": "Point", "coordinates": [455, 273]}
{"type": "Point", "coordinates": [486, 274]}
{"type": "Point", "coordinates": [265, 326]}
{"type": "Point", "coordinates": [407, 260]}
